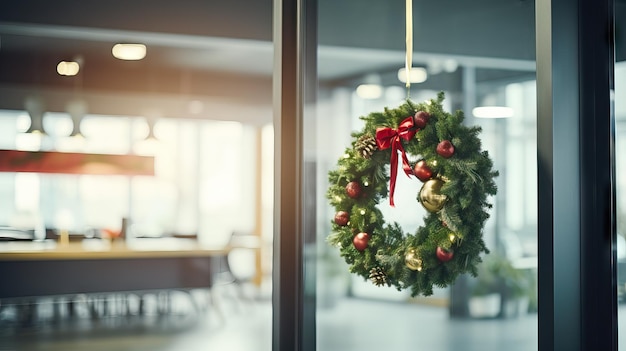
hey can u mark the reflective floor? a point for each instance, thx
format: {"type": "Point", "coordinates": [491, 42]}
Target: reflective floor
{"type": "Point", "coordinates": [354, 325]}
{"type": "Point", "coordinates": [242, 324]}
{"type": "Point", "coordinates": [229, 324]}
{"type": "Point", "coordinates": [245, 325]}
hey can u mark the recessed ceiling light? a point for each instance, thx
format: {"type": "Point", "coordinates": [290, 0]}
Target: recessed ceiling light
{"type": "Point", "coordinates": [68, 68]}
{"type": "Point", "coordinates": [130, 52]}
{"type": "Point", "coordinates": [417, 75]}
{"type": "Point", "coordinates": [369, 91]}
{"type": "Point", "coordinates": [195, 107]}
{"type": "Point", "coordinates": [492, 112]}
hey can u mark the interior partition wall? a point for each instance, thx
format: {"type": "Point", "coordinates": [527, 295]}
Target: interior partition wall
{"type": "Point", "coordinates": [575, 176]}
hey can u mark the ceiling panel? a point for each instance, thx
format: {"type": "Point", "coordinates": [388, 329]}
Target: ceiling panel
{"type": "Point", "coordinates": [222, 51]}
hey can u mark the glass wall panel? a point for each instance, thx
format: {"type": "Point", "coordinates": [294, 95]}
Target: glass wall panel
{"type": "Point", "coordinates": [620, 169]}
{"type": "Point", "coordinates": [478, 55]}
{"type": "Point", "coordinates": [143, 250]}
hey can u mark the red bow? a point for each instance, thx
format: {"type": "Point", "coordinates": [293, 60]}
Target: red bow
{"type": "Point", "coordinates": [387, 137]}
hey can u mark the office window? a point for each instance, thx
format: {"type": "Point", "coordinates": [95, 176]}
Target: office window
{"type": "Point", "coordinates": [203, 183]}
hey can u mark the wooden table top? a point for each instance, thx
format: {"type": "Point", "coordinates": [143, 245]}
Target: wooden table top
{"type": "Point", "coordinates": [92, 249]}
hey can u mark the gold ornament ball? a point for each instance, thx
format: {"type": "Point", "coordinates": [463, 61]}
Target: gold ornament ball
{"type": "Point", "coordinates": [413, 261]}
{"type": "Point", "coordinates": [431, 197]}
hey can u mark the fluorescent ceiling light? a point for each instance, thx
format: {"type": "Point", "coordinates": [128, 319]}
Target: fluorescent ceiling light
{"type": "Point", "coordinates": [492, 112]}
{"type": "Point", "coordinates": [369, 91]}
{"type": "Point", "coordinates": [417, 75]}
{"type": "Point", "coordinates": [130, 52]}
{"type": "Point", "coordinates": [68, 68]}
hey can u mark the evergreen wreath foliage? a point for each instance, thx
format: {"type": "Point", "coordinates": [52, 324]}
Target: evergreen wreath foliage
{"type": "Point", "coordinates": [389, 256]}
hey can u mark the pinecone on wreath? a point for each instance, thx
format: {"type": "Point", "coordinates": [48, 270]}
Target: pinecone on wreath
{"type": "Point", "coordinates": [378, 276]}
{"type": "Point", "coordinates": [366, 145]}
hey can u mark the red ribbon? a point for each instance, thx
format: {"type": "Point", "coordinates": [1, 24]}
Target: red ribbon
{"type": "Point", "coordinates": [387, 137]}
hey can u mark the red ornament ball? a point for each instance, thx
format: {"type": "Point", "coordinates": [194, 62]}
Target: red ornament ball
{"type": "Point", "coordinates": [422, 171]}
{"type": "Point", "coordinates": [444, 255]}
{"type": "Point", "coordinates": [445, 148]}
{"type": "Point", "coordinates": [360, 241]}
{"type": "Point", "coordinates": [342, 218]}
{"type": "Point", "coordinates": [421, 118]}
{"type": "Point", "coordinates": [353, 189]}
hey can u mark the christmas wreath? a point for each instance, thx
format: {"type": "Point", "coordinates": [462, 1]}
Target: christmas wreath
{"type": "Point", "coordinates": [457, 180]}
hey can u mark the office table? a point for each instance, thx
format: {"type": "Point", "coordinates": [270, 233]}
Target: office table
{"type": "Point", "coordinates": [35, 269]}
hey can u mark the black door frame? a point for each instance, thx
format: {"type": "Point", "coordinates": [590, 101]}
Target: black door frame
{"type": "Point", "coordinates": [295, 86]}
{"type": "Point", "coordinates": [576, 191]}
{"type": "Point", "coordinates": [576, 176]}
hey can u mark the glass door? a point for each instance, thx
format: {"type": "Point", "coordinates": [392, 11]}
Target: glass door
{"type": "Point", "coordinates": [479, 66]}
{"type": "Point", "coordinates": [366, 273]}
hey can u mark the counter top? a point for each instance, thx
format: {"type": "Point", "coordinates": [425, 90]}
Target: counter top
{"type": "Point", "coordinates": [105, 249]}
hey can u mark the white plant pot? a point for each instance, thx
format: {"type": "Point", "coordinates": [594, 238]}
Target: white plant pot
{"type": "Point", "coordinates": [485, 306]}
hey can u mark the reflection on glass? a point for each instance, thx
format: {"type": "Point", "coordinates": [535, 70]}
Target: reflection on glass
{"type": "Point", "coordinates": [620, 210]}
{"type": "Point", "coordinates": [497, 309]}
{"type": "Point", "coordinates": [196, 100]}
{"type": "Point", "coordinates": [510, 234]}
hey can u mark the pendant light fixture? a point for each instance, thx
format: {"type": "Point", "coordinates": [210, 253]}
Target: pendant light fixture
{"type": "Point", "coordinates": [35, 108]}
{"type": "Point", "coordinates": [77, 109]}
